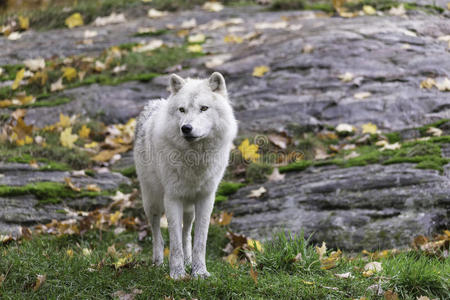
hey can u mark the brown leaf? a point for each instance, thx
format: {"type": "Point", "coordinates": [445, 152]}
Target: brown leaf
{"type": "Point", "coordinates": [390, 295]}
{"type": "Point", "coordinates": [71, 185]}
{"type": "Point", "coordinates": [26, 233]}
{"type": "Point", "coordinates": [279, 140]}
{"type": "Point", "coordinates": [225, 218]}
{"type": "Point", "coordinates": [254, 274]}
{"type": "Point", "coordinates": [39, 282]}
{"type": "Point", "coordinates": [419, 240]}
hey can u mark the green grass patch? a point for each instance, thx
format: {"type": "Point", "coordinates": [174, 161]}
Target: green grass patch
{"type": "Point", "coordinates": [129, 172]}
{"type": "Point", "coordinates": [322, 5]}
{"type": "Point", "coordinates": [46, 192]}
{"type": "Point", "coordinates": [227, 188]}
{"type": "Point", "coordinates": [279, 275]}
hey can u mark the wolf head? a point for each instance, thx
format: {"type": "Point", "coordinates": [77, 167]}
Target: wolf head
{"type": "Point", "coordinates": [199, 110]}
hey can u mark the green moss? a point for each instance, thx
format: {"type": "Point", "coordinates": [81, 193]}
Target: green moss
{"type": "Point", "coordinates": [153, 33]}
{"type": "Point", "coordinates": [227, 188]}
{"type": "Point", "coordinates": [89, 173]}
{"type": "Point", "coordinates": [296, 166]}
{"type": "Point", "coordinates": [257, 172]}
{"type": "Point", "coordinates": [129, 172]}
{"type": "Point", "coordinates": [221, 198]}
{"type": "Point", "coordinates": [393, 137]}
{"type": "Point", "coordinates": [46, 192]}
{"type": "Point", "coordinates": [437, 124]}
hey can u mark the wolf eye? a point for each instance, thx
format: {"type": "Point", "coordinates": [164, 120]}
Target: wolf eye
{"type": "Point", "coordinates": [204, 108]}
{"type": "Point", "coordinates": [181, 109]}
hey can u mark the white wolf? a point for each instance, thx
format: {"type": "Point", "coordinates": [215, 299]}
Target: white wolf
{"type": "Point", "coordinates": [181, 152]}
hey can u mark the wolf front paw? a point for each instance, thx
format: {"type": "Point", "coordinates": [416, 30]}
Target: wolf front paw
{"type": "Point", "coordinates": [201, 274]}
{"type": "Point", "coordinates": [178, 275]}
{"type": "Point", "coordinates": [158, 261]}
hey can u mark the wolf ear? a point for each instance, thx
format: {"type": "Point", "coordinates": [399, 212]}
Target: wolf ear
{"type": "Point", "coordinates": [175, 83]}
{"type": "Point", "coordinates": [217, 83]}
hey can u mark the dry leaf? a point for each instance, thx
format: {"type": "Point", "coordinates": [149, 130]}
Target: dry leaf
{"type": "Point", "coordinates": [152, 45]}
{"type": "Point", "coordinates": [86, 252]}
{"type": "Point", "coordinates": [322, 250]}
{"type": "Point", "coordinates": [39, 282]}
{"type": "Point", "coordinates": [68, 139]}
{"type": "Point", "coordinates": [443, 85]}
{"type": "Point", "coordinates": [390, 295]}
{"type": "Point", "coordinates": [57, 85]}
{"type": "Point", "coordinates": [14, 36]}
{"type": "Point", "coordinates": [369, 10]}
{"type": "Point", "coordinates": [69, 73]}
{"type": "Point", "coordinates": [346, 77]}
{"type": "Point", "coordinates": [84, 132]}
{"type": "Point", "coordinates": [111, 19]}
{"type": "Point", "coordinates": [34, 64]}
{"type": "Point", "coordinates": [388, 146]}
{"type": "Point", "coordinates": [369, 128]}
{"type": "Point", "coordinates": [166, 252]}
{"type": "Point", "coordinates": [260, 71]}
{"type": "Point", "coordinates": [153, 13]}
{"type": "Point", "coordinates": [189, 24]}
{"type": "Point", "coordinates": [196, 38]}
{"type": "Point", "coordinates": [279, 140]}
{"type": "Point", "coordinates": [345, 128]}
{"type": "Point", "coordinates": [276, 176]}
{"type": "Point", "coordinates": [93, 188]}
{"type": "Point", "coordinates": [19, 76]}
{"type": "Point", "coordinates": [212, 6]}
{"type": "Point", "coordinates": [434, 131]}
{"type": "Point", "coordinates": [373, 266]}
{"type": "Point", "coordinates": [254, 244]}
{"type": "Point", "coordinates": [24, 22]}
{"type": "Point", "coordinates": [121, 295]}
{"type": "Point", "coordinates": [225, 218]}
{"type": "Point", "coordinates": [362, 95]}
{"type": "Point", "coordinates": [254, 274]}
{"type": "Point", "coordinates": [74, 20]}
{"type": "Point", "coordinates": [99, 66]}
{"type": "Point", "coordinates": [195, 48]}
{"type": "Point", "coordinates": [257, 193]}
{"type": "Point", "coordinates": [397, 11]}
{"type": "Point", "coordinates": [233, 39]}
{"type": "Point", "coordinates": [344, 275]}
{"type": "Point", "coordinates": [71, 185]}
{"type": "Point", "coordinates": [298, 257]}
{"type": "Point", "coordinates": [308, 48]}
{"type": "Point", "coordinates": [427, 83]}
{"type": "Point", "coordinates": [319, 154]}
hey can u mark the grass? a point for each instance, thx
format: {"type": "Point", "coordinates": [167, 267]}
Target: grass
{"type": "Point", "coordinates": [322, 5]}
{"type": "Point", "coordinates": [45, 192]}
{"type": "Point", "coordinates": [279, 277]}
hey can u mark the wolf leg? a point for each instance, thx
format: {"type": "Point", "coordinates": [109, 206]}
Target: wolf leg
{"type": "Point", "coordinates": [174, 212]}
{"type": "Point", "coordinates": [203, 209]}
{"type": "Point", "coordinates": [188, 219]}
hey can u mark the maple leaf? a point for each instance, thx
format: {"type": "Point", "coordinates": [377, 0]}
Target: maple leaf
{"type": "Point", "coordinates": [84, 132]}
{"type": "Point", "coordinates": [69, 73]}
{"type": "Point", "coordinates": [67, 139]}
{"type": "Point", "coordinates": [369, 128]}
{"type": "Point", "coordinates": [24, 22]}
{"type": "Point", "coordinates": [260, 71]}
{"type": "Point", "coordinates": [74, 20]}
{"type": "Point", "coordinates": [249, 151]}
{"type": "Point", "coordinates": [19, 77]}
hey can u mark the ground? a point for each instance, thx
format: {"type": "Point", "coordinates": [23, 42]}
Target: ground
{"type": "Point", "coordinates": [344, 136]}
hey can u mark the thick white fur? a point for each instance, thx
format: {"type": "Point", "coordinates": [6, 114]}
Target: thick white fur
{"type": "Point", "coordinates": [180, 177]}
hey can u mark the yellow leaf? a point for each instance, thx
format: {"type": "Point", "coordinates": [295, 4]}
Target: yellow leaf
{"type": "Point", "coordinates": [64, 121]}
{"type": "Point", "coordinates": [67, 139]}
{"type": "Point", "coordinates": [91, 145]}
{"type": "Point", "coordinates": [19, 77]}
{"type": "Point", "coordinates": [28, 140]}
{"type": "Point", "coordinates": [196, 38]}
{"type": "Point", "coordinates": [39, 282]}
{"type": "Point", "coordinates": [249, 152]}
{"type": "Point", "coordinates": [260, 71]}
{"type": "Point", "coordinates": [69, 73]}
{"type": "Point", "coordinates": [166, 252]}
{"type": "Point", "coordinates": [5, 103]}
{"type": "Point", "coordinates": [369, 128]}
{"type": "Point", "coordinates": [93, 188]}
{"type": "Point", "coordinates": [69, 252]}
{"type": "Point", "coordinates": [24, 99]}
{"type": "Point", "coordinates": [115, 217]}
{"type": "Point", "coordinates": [369, 10]}
{"type": "Point", "coordinates": [84, 132]}
{"type": "Point", "coordinates": [254, 244]}
{"type": "Point", "coordinates": [74, 20]}
{"type": "Point", "coordinates": [233, 39]}
{"type": "Point", "coordinates": [195, 48]}
{"type": "Point", "coordinates": [225, 218]}
{"type": "Point", "coordinates": [427, 83]}
{"type": "Point", "coordinates": [231, 259]}
{"type": "Point", "coordinates": [24, 23]}
{"type": "Point", "coordinates": [308, 282]}
{"type": "Point", "coordinates": [322, 250]}
{"type": "Point", "coordinates": [71, 185]}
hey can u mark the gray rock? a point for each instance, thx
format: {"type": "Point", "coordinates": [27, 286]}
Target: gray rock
{"type": "Point", "coordinates": [355, 208]}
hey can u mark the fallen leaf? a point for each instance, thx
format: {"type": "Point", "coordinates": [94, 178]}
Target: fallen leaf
{"type": "Point", "coordinates": [346, 77]}
{"type": "Point", "coordinates": [84, 132]}
{"type": "Point", "coordinates": [115, 217]}
{"type": "Point", "coordinates": [279, 140]}
{"type": "Point", "coordinates": [111, 19]}
{"type": "Point", "coordinates": [69, 73]}
{"type": "Point", "coordinates": [276, 176]}
{"type": "Point", "coordinates": [427, 83]}
{"type": "Point", "coordinates": [443, 85]}
{"type": "Point", "coordinates": [254, 274]}
{"type": "Point", "coordinates": [249, 151]}
{"type": "Point", "coordinates": [24, 22]}
{"type": "Point", "coordinates": [107, 155]}
{"type": "Point", "coordinates": [196, 38]}
{"type": "Point", "coordinates": [39, 282]}
{"type": "Point", "coordinates": [225, 218]}
{"type": "Point", "coordinates": [91, 145]}
{"type": "Point", "coordinates": [397, 11]}
{"type": "Point", "coordinates": [2, 279]}
{"type": "Point", "coordinates": [373, 266]}
{"type": "Point", "coordinates": [121, 295]}
{"type": "Point", "coordinates": [351, 155]}
{"type": "Point", "coordinates": [254, 244]}
{"type": "Point", "coordinates": [322, 250]}
{"type": "Point", "coordinates": [233, 39]}
{"type": "Point", "coordinates": [34, 64]}
{"type": "Point", "coordinates": [343, 127]}
{"type": "Point", "coordinates": [260, 71]}
{"type": "Point", "coordinates": [74, 20]}
{"type": "Point", "coordinates": [153, 13]}
{"type": "Point", "coordinates": [86, 252]}
{"type": "Point", "coordinates": [362, 95]}
{"type": "Point", "coordinates": [71, 185]}
{"type": "Point", "coordinates": [19, 77]}
{"type": "Point", "coordinates": [434, 131]}
{"type": "Point", "coordinates": [195, 48]}
{"type": "Point", "coordinates": [14, 36]}
{"type": "Point", "coordinates": [298, 257]}
{"type": "Point", "coordinates": [150, 46]}
{"type": "Point", "coordinates": [64, 121]}
{"type": "Point", "coordinates": [212, 6]}
{"type": "Point", "coordinates": [69, 252]}
{"type": "Point", "coordinates": [344, 275]}
{"type": "Point", "coordinates": [369, 10]}
{"type": "Point", "coordinates": [89, 34]}
{"type": "Point", "coordinates": [390, 295]}
{"type": "Point", "coordinates": [189, 24]}
{"type": "Point", "coordinates": [369, 128]}
{"type": "Point", "coordinates": [319, 154]}
{"type": "Point", "coordinates": [68, 139]}
{"type": "Point", "coordinates": [99, 66]}
{"type": "Point", "coordinates": [257, 193]}
{"type": "Point", "coordinates": [388, 146]}
{"type": "Point", "coordinates": [166, 252]}
{"type": "Point", "coordinates": [308, 48]}
{"type": "Point", "coordinates": [57, 85]}
{"type": "Point", "coordinates": [93, 188]}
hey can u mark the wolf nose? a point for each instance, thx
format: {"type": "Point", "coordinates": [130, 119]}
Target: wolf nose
{"type": "Point", "coordinates": [186, 128]}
